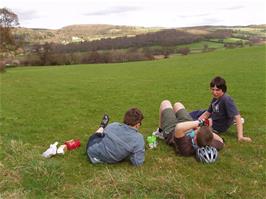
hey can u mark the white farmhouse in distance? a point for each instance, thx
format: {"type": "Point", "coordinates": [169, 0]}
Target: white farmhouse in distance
{"type": "Point", "coordinates": [77, 39]}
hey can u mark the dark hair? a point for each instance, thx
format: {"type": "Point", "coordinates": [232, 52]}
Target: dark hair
{"type": "Point", "coordinates": [204, 136]}
{"type": "Point", "coordinates": [133, 116]}
{"type": "Point", "coordinates": [219, 82]}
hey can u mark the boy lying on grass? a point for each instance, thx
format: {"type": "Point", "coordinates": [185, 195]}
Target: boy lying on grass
{"type": "Point", "coordinates": [179, 130]}
{"type": "Point", "coordinates": [118, 141]}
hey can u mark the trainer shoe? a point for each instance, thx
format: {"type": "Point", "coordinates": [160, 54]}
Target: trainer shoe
{"type": "Point", "coordinates": [158, 134]}
{"type": "Point", "coordinates": [104, 121]}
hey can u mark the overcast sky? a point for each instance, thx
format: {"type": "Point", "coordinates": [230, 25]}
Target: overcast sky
{"type": "Point", "coordinates": [55, 14]}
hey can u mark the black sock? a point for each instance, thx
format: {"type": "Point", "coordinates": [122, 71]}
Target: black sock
{"type": "Point", "coordinates": [100, 134]}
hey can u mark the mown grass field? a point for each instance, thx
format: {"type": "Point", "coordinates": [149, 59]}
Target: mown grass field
{"type": "Point", "coordinates": [41, 105]}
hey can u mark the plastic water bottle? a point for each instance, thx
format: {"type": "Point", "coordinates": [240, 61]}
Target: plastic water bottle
{"type": "Point", "coordinates": [152, 142]}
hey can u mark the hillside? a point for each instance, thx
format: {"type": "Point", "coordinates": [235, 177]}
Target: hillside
{"type": "Point", "coordinates": [77, 33]}
{"type": "Point", "coordinates": [91, 32]}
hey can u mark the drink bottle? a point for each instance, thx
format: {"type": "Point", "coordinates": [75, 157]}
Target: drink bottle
{"type": "Point", "coordinates": [152, 142]}
{"type": "Point", "coordinates": [72, 144]}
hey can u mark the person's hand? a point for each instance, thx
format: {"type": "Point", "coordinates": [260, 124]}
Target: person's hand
{"type": "Point", "coordinates": [245, 139]}
{"type": "Point", "coordinates": [210, 122]}
{"type": "Point", "coordinates": [204, 122]}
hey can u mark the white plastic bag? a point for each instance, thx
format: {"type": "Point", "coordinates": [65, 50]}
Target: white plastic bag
{"type": "Point", "coordinates": [51, 151]}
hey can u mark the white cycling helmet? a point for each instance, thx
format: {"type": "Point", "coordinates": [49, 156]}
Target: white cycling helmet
{"type": "Point", "coordinates": [207, 154]}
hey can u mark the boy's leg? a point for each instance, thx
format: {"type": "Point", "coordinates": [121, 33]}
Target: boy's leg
{"type": "Point", "coordinates": [98, 135]}
{"type": "Point", "coordinates": [183, 144]}
{"type": "Point", "coordinates": [167, 120]}
{"type": "Point", "coordinates": [93, 140]}
{"type": "Point", "coordinates": [102, 126]}
{"type": "Point", "coordinates": [104, 121]}
{"type": "Point", "coordinates": [166, 104]}
{"type": "Point", "coordinates": [181, 113]}
{"type": "Point", "coordinates": [178, 106]}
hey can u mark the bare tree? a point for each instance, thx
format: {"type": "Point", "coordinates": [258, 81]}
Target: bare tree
{"type": "Point", "coordinates": [8, 20]}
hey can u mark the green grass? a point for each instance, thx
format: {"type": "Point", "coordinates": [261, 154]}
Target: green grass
{"type": "Point", "coordinates": [200, 45]}
{"type": "Point", "coordinates": [234, 40]}
{"type": "Point", "coordinates": [41, 105]}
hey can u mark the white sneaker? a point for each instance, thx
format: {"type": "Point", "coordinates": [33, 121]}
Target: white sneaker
{"type": "Point", "coordinates": [51, 151]}
{"type": "Point", "coordinates": [158, 134]}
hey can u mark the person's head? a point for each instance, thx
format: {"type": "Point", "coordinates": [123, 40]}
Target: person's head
{"type": "Point", "coordinates": [218, 86]}
{"type": "Point", "coordinates": [133, 117]}
{"type": "Point", "coordinates": [204, 136]}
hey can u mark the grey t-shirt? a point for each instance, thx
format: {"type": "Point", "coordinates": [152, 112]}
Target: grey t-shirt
{"type": "Point", "coordinates": [223, 111]}
{"type": "Point", "coordinates": [120, 141]}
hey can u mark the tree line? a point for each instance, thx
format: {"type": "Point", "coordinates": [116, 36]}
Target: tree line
{"type": "Point", "coordinates": [168, 37]}
{"type": "Point", "coordinates": [122, 49]}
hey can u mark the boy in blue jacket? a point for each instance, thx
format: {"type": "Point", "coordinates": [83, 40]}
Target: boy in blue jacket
{"type": "Point", "coordinates": [118, 141]}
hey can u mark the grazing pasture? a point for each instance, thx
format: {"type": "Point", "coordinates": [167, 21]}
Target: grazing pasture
{"type": "Point", "coordinates": [41, 105]}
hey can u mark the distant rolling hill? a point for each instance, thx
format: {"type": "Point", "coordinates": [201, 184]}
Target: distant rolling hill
{"type": "Point", "coordinates": [77, 33]}
{"type": "Point", "coordinates": [90, 32]}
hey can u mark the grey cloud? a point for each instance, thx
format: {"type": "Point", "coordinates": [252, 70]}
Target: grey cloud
{"type": "Point", "coordinates": [112, 10]}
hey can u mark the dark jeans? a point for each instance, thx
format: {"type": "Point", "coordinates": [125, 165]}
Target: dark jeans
{"type": "Point", "coordinates": [95, 138]}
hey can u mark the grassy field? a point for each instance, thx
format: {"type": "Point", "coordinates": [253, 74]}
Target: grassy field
{"type": "Point", "coordinates": [200, 45]}
{"type": "Point", "coordinates": [41, 105]}
{"type": "Point", "coordinates": [234, 40]}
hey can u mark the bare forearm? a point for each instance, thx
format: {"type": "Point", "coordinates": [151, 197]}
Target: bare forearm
{"type": "Point", "coordinates": [239, 130]}
{"type": "Point", "coordinates": [205, 115]}
{"type": "Point", "coordinates": [183, 127]}
{"type": "Point", "coordinates": [217, 137]}
{"type": "Point", "coordinates": [239, 127]}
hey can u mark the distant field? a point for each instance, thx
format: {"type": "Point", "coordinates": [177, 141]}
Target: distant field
{"type": "Point", "coordinates": [255, 31]}
{"type": "Point", "coordinates": [234, 40]}
{"type": "Point", "coordinates": [41, 105]}
{"type": "Point", "coordinates": [200, 45]}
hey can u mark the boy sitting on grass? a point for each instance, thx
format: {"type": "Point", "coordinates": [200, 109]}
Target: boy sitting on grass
{"type": "Point", "coordinates": [222, 110]}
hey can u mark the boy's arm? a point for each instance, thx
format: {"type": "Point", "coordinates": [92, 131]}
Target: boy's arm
{"type": "Point", "coordinates": [205, 115]}
{"type": "Point", "coordinates": [239, 130]}
{"type": "Point", "coordinates": [217, 137]}
{"type": "Point", "coordinates": [137, 158]}
{"type": "Point", "coordinates": [138, 155]}
{"type": "Point", "coordinates": [182, 127]}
